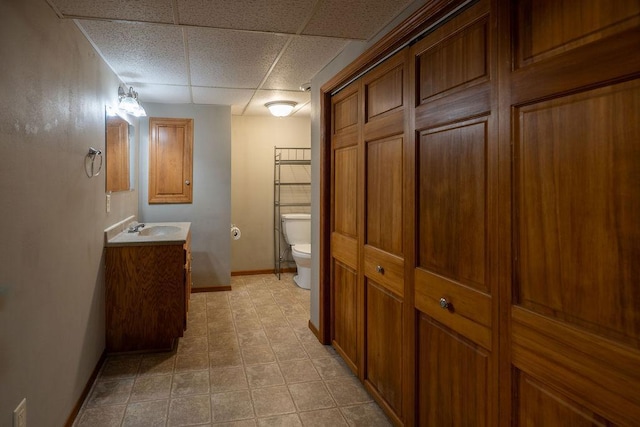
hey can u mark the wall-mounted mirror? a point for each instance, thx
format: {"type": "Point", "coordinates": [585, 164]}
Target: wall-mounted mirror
{"type": "Point", "coordinates": [118, 143]}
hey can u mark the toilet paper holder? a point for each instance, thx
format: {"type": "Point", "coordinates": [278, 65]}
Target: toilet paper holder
{"type": "Point", "coordinates": [235, 232]}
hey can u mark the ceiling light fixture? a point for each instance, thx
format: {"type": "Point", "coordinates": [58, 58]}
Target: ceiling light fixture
{"type": "Point", "coordinates": [280, 108]}
{"type": "Point", "coordinates": [128, 102]}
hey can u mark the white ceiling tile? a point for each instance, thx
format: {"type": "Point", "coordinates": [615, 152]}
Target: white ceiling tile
{"type": "Point", "coordinates": [302, 60]}
{"type": "Point", "coordinates": [139, 10]}
{"type": "Point", "coordinates": [168, 94]}
{"type": "Point", "coordinates": [285, 16]}
{"type": "Point", "coordinates": [218, 96]}
{"type": "Point", "coordinates": [355, 19]}
{"type": "Point", "coordinates": [141, 52]}
{"type": "Point", "coordinates": [222, 58]}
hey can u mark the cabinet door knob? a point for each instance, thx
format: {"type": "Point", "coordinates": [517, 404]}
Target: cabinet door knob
{"type": "Point", "coordinates": [380, 269]}
{"type": "Point", "coordinates": [444, 303]}
{"type": "Point", "coordinates": [187, 182]}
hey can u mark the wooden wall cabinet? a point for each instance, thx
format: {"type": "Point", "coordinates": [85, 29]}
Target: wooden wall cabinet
{"type": "Point", "coordinates": [170, 160]}
{"type": "Point", "coordinates": [147, 296]}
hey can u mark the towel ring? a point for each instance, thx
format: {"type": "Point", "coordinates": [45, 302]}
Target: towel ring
{"type": "Point", "coordinates": [89, 162]}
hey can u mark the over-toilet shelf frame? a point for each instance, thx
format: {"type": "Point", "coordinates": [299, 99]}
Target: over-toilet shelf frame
{"type": "Point", "coordinates": [289, 164]}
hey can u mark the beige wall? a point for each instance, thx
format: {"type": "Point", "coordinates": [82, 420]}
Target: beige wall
{"type": "Point", "coordinates": [252, 141]}
{"type": "Point", "coordinates": [53, 91]}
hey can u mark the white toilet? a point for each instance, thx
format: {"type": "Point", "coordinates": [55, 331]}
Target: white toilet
{"type": "Point", "coordinates": [296, 228]}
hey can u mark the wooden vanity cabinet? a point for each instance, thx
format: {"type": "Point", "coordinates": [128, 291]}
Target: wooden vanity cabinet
{"type": "Point", "coordinates": [147, 293]}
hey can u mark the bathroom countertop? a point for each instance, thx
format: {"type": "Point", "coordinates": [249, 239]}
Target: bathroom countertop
{"type": "Point", "coordinates": [117, 235]}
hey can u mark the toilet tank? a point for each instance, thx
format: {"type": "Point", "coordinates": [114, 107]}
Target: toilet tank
{"type": "Point", "coordinates": [296, 228]}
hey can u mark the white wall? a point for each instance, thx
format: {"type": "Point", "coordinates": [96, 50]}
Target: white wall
{"type": "Point", "coordinates": [210, 212]}
{"type": "Point", "coordinates": [53, 91]}
{"type": "Point", "coordinates": [252, 142]}
{"type": "Point", "coordinates": [347, 56]}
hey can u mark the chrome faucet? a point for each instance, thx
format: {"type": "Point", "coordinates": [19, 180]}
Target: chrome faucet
{"type": "Point", "coordinates": [135, 228]}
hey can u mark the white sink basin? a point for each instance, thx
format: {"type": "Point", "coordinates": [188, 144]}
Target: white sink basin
{"type": "Point", "coordinates": [159, 230]}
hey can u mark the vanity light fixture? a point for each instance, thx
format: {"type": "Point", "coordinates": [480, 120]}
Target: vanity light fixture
{"type": "Point", "coordinates": [280, 108]}
{"type": "Point", "coordinates": [128, 102]}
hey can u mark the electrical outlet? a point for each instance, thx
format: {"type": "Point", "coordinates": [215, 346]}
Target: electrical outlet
{"type": "Point", "coordinates": [20, 414]}
{"type": "Point", "coordinates": [108, 203]}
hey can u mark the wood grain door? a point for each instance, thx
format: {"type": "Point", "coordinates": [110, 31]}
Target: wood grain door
{"type": "Point", "coordinates": [385, 98]}
{"type": "Point", "coordinates": [346, 233]}
{"type": "Point", "coordinates": [456, 139]}
{"type": "Point", "coordinates": [573, 270]}
{"type": "Point", "coordinates": [170, 160]}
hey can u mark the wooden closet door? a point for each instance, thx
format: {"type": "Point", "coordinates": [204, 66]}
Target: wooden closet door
{"type": "Point", "coordinates": [456, 168]}
{"type": "Point", "coordinates": [385, 105]}
{"type": "Point", "coordinates": [574, 296]}
{"type": "Point", "coordinates": [346, 288]}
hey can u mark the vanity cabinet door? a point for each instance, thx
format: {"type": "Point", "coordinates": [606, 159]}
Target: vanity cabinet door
{"type": "Point", "coordinates": [145, 297]}
{"type": "Point", "coordinates": [187, 277]}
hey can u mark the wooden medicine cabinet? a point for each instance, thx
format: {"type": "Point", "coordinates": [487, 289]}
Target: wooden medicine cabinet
{"type": "Point", "coordinates": [170, 160]}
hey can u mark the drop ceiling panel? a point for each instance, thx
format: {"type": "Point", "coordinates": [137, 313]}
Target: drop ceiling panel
{"type": "Point", "coordinates": [210, 95]}
{"type": "Point", "coordinates": [145, 53]}
{"type": "Point", "coordinates": [231, 59]}
{"type": "Point", "coordinates": [355, 19]}
{"type": "Point", "coordinates": [285, 16]}
{"type": "Point", "coordinates": [166, 94]}
{"type": "Point", "coordinates": [139, 10]}
{"type": "Point", "coordinates": [304, 57]}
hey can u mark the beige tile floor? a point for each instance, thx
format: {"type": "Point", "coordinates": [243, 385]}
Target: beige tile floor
{"type": "Point", "coordinates": [247, 358]}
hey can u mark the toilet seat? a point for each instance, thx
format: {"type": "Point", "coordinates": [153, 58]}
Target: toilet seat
{"type": "Point", "coordinates": [302, 250]}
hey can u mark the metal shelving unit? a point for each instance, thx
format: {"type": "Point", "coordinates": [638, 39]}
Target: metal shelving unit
{"type": "Point", "coordinates": [291, 193]}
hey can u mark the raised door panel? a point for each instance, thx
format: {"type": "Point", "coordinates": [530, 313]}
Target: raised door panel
{"type": "Point", "coordinates": [452, 203]}
{"type": "Point", "coordinates": [345, 312]}
{"type": "Point", "coordinates": [385, 98]}
{"type": "Point", "coordinates": [345, 210]}
{"type": "Point", "coordinates": [345, 113]}
{"type": "Point", "coordinates": [578, 195]}
{"type": "Point", "coordinates": [453, 75]}
{"type": "Point", "coordinates": [456, 62]}
{"type": "Point", "coordinates": [385, 194]}
{"type": "Point", "coordinates": [384, 343]}
{"type": "Point", "coordinates": [577, 244]}
{"type": "Point", "coordinates": [453, 378]}
{"type": "Point", "coordinates": [540, 405]}
{"type": "Point", "coordinates": [170, 160]}
{"type": "Point", "coordinates": [550, 27]}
